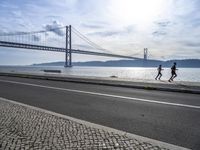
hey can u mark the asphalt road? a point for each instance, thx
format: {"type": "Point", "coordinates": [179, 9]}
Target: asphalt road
{"type": "Point", "coordinates": [165, 116]}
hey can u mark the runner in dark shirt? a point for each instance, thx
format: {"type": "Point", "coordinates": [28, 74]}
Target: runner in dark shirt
{"type": "Point", "coordinates": [173, 72]}
{"type": "Point", "coordinates": [159, 72]}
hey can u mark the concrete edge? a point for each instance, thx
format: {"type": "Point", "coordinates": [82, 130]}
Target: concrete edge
{"type": "Point", "coordinates": [93, 81]}
{"type": "Point", "coordinates": [101, 127]}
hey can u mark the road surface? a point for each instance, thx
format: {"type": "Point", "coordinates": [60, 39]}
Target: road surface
{"type": "Point", "coordinates": [165, 116]}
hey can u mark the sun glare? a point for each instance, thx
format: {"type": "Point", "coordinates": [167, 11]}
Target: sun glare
{"type": "Point", "coordinates": [136, 11]}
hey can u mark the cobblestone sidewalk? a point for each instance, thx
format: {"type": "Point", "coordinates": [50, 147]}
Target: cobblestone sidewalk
{"type": "Point", "coordinates": [24, 128]}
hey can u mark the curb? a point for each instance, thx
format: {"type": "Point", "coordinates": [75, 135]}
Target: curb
{"type": "Point", "coordinates": [98, 82]}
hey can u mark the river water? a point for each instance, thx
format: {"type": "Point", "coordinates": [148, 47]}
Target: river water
{"type": "Point", "coordinates": [184, 74]}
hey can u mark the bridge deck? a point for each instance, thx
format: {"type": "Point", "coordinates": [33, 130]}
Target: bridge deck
{"type": "Point", "coordinates": [57, 49]}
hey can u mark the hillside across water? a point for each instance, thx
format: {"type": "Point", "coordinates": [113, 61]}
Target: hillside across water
{"type": "Point", "coordinates": [185, 63]}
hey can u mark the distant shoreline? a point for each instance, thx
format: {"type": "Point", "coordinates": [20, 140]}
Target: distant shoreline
{"type": "Point", "coordinates": [87, 66]}
{"type": "Point", "coordinates": [185, 63]}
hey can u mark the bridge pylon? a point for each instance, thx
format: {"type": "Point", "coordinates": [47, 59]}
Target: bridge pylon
{"type": "Point", "coordinates": [68, 52]}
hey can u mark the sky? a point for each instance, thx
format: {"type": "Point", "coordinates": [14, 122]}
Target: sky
{"type": "Point", "coordinates": [170, 29]}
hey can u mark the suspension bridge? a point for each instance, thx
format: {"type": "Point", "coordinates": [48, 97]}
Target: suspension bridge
{"type": "Point", "coordinates": [56, 40]}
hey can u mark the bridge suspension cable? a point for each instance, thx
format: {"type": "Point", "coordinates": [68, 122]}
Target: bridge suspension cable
{"type": "Point", "coordinates": [32, 32]}
{"type": "Point", "coordinates": [86, 39]}
{"type": "Point", "coordinates": [36, 37]}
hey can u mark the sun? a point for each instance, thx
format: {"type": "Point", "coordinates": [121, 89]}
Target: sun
{"type": "Point", "coordinates": [136, 11]}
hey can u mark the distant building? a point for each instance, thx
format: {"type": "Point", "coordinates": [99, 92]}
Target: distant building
{"type": "Point", "coordinates": [145, 53]}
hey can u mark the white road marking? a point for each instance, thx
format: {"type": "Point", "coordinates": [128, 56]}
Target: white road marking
{"type": "Point", "coordinates": [101, 127]}
{"type": "Point", "coordinates": [103, 94]}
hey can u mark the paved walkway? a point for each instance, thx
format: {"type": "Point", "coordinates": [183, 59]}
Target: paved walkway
{"type": "Point", "coordinates": [176, 86]}
{"type": "Point", "coordinates": [24, 127]}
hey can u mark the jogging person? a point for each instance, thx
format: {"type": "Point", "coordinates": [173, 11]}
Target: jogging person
{"type": "Point", "coordinates": [159, 72]}
{"type": "Point", "coordinates": [173, 72]}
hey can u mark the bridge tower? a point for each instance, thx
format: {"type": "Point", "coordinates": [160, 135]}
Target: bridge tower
{"type": "Point", "coordinates": [68, 52]}
{"type": "Point", "coordinates": [145, 53]}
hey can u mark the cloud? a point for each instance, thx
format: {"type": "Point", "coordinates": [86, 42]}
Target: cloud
{"type": "Point", "coordinates": [53, 17]}
{"type": "Point", "coordinates": [163, 23]}
{"type": "Point", "coordinates": [16, 14]}
{"type": "Point", "coordinates": [105, 33]}
{"type": "Point", "coordinates": [55, 27]}
{"type": "Point", "coordinates": [161, 28]}
{"type": "Point", "coordinates": [22, 25]}
{"type": "Point", "coordinates": [195, 22]}
{"type": "Point", "coordinates": [91, 26]}
{"type": "Point", "coordinates": [110, 33]}
{"type": "Point", "coordinates": [159, 33]}
{"type": "Point", "coordinates": [191, 44]}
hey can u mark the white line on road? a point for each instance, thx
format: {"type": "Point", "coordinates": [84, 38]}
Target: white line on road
{"type": "Point", "coordinates": [102, 94]}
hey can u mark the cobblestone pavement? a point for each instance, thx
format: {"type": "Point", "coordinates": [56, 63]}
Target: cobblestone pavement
{"type": "Point", "coordinates": [23, 128]}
